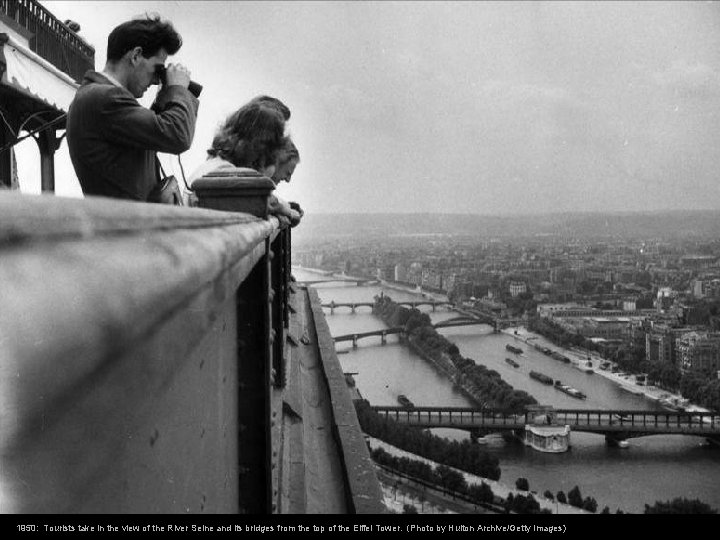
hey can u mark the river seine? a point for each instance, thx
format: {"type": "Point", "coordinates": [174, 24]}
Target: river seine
{"type": "Point", "coordinates": [652, 468]}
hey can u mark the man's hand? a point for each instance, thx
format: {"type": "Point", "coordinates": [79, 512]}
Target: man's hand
{"type": "Point", "coordinates": [177, 75]}
{"type": "Point", "coordinates": [295, 206]}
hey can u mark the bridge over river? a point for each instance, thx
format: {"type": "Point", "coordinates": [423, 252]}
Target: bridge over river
{"type": "Point", "coordinates": [615, 425]}
{"type": "Point", "coordinates": [354, 305]}
{"type": "Point", "coordinates": [384, 332]}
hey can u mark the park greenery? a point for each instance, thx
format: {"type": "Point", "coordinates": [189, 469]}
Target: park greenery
{"type": "Point", "coordinates": [441, 475]}
{"type": "Point", "coordinates": [680, 505]}
{"type": "Point", "coordinates": [451, 480]}
{"type": "Point", "coordinates": [558, 335]}
{"type": "Point", "coordinates": [486, 386]}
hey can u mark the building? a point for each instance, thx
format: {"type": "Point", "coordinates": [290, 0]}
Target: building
{"type": "Point", "coordinates": [400, 273]}
{"type": "Point", "coordinates": [699, 351]}
{"type": "Point", "coordinates": [660, 341]}
{"type": "Point", "coordinates": [608, 328]}
{"type": "Point", "coordinates": [665, 299]}
{"type": "Point", "coordinates": [517, 288]}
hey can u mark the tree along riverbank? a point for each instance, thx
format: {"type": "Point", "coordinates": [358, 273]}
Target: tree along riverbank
{"type": "Point", "coordinates": [501, 492]}
{"type": "Point", "coordinates": [484, 387]}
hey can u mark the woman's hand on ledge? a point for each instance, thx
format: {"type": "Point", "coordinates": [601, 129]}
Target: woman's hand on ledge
{"type": "Point", "coordinates": [285, 212]}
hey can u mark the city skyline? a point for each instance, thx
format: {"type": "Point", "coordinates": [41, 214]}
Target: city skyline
{"type": "Point", "coordinates": [490, 108]}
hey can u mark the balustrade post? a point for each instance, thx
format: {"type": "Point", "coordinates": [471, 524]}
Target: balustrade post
{"type": "Point", "coordinates": [259, 329]}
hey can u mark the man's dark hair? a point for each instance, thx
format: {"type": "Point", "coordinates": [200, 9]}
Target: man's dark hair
{"type": "Point", "coordinates": [150, 33]}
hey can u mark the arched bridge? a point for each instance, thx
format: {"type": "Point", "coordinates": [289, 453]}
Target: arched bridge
{"type": "Point", "coordinates": [359, 281]}
{"type": "Point", "coordinates": [615, 425]}
{"type": "Point", "coordinates": [384, 332]}
{"type": "Point", "coordinates": [354, 305]}
{"type": "Point", "coordinates": [465, 321]}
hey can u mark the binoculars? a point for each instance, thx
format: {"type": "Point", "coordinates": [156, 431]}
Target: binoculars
{"type": "Point", "coordinates": [195, 88]}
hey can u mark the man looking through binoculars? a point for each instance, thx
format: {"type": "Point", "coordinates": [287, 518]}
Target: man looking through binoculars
{"type": "Point", "coordinates": [113, 139]}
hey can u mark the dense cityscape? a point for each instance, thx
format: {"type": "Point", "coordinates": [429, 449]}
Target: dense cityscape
{"type": "Point", "coordinates": [649, 303]}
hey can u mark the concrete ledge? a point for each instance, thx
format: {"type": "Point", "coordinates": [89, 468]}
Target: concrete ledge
{"type": "Point", "coordinates": [363, 490]}
{"type": "Point", "coordinates": [117, 354]}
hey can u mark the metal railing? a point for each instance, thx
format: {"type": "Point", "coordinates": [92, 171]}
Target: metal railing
{"type": "Point", "coordinates": [51, 39]}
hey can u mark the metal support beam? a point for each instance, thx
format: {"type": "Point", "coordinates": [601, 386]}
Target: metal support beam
{"type": "Point", "coordinates": [48, 144]}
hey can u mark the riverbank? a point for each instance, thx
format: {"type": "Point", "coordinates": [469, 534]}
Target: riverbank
{"type": "Point", "coordinates": [579, 358]}
{"type": "Point", "coordinates": [499, 489]}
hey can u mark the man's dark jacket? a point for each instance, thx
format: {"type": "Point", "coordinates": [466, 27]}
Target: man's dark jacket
{"type": "Point", "coordinates": [113, 139]}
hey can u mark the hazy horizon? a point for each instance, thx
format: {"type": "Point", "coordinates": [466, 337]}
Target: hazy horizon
{"type": "Point", "coordinates": [488, 108]}
{"type": "Point", "coordinates": [529, 214]}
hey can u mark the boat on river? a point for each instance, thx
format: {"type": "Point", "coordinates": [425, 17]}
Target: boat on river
{"type": "Point", "coordinates": [516, 350]}
{"type": "Point", "coordinates": [674, 404]}
{"type": "Point", "coordinates": [405, 402]}
{"type": "Point", "coordinates": [557, 356]}
{"type": "Point", "coordinates": [542, 433]}
{"type": "Point", "coordinates": [512, 362]}
{"type": "Point", "coordinates": [541, 377]}
{"type": "Point", "coordinates": [551, 439]}
{"type": "Point", "coordinates": [569, 390]}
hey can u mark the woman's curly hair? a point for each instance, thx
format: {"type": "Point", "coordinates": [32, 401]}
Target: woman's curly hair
{"type": "Point", "coordinates": [253, 136]}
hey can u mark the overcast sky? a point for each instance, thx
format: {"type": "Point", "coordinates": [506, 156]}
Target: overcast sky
{"type": "Point", "coordinates": [467, 107]}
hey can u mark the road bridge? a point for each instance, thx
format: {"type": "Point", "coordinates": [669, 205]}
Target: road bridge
{"type": "Point", "coordinates": [384, 332]}
{"type": "Point", "coordinates": [354, 305]}
{"type": "Point", "coordinates": [360, 282]}
{"type": "Point", "coordinates": [615, 425]}
{"type": "Point", "coordinates": [464, 321]}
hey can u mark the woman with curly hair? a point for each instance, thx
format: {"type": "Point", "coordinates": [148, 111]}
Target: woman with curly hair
{"type": "Point", "coordinates": [251, 137]}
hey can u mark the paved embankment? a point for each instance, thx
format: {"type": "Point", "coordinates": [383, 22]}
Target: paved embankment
{"type": "Point", "coordinates": [579, 356]}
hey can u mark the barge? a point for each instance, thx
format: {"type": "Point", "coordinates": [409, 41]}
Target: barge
{"type": "Point", "coordinates": [542, 432]}
{"type": "Point", "coordinates": [512, 362]}
{"type": "Point", "coordinates": [541, 377]}
{"type": "Point", "coordinates": [516, 350]}
{"type": "Point", "coordinates": [551, 439]}
{"type": "Point", "coordinates": [405, 402]}
{"type": "Point", "coordinates": [569, 390]}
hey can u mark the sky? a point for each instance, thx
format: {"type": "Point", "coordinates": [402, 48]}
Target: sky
{"type": "Point", "coordinates": [493, 108]}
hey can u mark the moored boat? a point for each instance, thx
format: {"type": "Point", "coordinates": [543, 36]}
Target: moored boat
{"type": "Point", "coordinates": [569, 390]}
{"type": "Point", "coordinates": [516, 350]}
{"type": "Point", "coordinates": [557, 356]}
{"type": "Point", "coordinates": [552, 439]}
{"type": "Point", "coordinates": [541, 377]}
{"type": "Point", "coordinates": [674, 404]}
{"type": "Point", "coordinates": [512, 362]}
{"type": "Point", "coordinates": [405, 402]}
